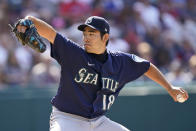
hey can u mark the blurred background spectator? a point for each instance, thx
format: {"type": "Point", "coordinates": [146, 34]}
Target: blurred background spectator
{"type": "Point", "coordinates": [161, 31]}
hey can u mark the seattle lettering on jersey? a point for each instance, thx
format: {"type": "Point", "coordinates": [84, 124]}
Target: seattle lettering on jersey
{"type": "Point", "coordinates": [110, 84]}
{"type": "Point", "coordinates": [83, 76]}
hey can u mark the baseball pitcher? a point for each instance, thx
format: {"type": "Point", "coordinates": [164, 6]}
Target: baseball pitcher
{"type": "Point", "coordinates": [91, 76]}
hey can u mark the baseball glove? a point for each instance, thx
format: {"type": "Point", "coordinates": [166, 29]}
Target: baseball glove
{"type": "Point", "coordinates": [30, 37]}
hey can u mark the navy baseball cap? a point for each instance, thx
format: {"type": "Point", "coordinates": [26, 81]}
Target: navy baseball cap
{"type": "Point", "coordinates": [96, 22]}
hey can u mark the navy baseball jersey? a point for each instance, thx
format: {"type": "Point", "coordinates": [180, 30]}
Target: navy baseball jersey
{"type": "Point", "coordinates": [88, 87]}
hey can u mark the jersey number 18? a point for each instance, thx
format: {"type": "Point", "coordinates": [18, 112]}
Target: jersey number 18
{"type": "Point", "coordinates": [110, 99]}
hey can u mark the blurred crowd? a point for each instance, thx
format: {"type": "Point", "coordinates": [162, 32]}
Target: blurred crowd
{"type": "Point", "coordinates": [161, 31]}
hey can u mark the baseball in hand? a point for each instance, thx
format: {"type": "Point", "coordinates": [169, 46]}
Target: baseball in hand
{"type": "Point", "coordinates": [180, 98]}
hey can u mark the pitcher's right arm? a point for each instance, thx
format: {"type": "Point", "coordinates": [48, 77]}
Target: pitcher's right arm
{"type": "Point", "coordinates": [44, 29]}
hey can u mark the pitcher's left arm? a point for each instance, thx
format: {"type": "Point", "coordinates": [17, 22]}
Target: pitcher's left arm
{"type": "Point", "coordinates": [154, 74]}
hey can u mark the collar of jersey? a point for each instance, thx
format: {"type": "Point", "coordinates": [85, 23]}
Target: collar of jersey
{"type": "Point", "coordinates": [100, 57]}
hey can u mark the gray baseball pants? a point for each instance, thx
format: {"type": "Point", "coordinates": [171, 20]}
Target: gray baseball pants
{"type": "Point", "coordinates": [60, 121]}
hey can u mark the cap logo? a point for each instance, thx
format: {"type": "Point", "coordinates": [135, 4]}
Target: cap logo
{"type": "Point", "coordinates": [89, 20]}
{"type": "Point", "coordinates": [106, 30]}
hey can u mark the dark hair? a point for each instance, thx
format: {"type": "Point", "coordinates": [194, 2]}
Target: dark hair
{"type": "Point", "coordinates": [102, 34]}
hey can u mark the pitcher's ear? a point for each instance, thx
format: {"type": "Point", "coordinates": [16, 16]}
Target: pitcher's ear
{"type": "Point", "coordinates": [106, 37]}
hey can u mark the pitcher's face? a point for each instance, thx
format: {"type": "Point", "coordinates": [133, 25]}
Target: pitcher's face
{"type": "Point", "coordinates": [93, 43]}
